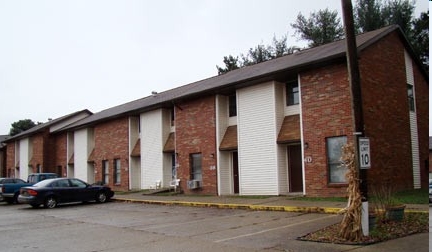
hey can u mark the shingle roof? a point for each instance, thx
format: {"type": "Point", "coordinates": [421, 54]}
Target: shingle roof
{"type": "Point", "coordinates": [294, 62]}
{"type": "Point", "coordinates": [43, 126]}
{"type": "Point", "coordinates": [2, 139]}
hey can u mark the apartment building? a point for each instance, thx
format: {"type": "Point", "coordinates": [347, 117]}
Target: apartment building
{"type": "Point", "coordinates": [272, 128]}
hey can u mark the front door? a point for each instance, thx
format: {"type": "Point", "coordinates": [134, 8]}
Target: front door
{"type": "Point", "coordinates": [295, 171]}
{"type": "Point", "coordinates": [235, 172]}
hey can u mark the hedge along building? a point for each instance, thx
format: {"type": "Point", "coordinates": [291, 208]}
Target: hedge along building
{"type": "Point", "coordinates": [268, 129]}
{"type": "Point", "coordinates": [41, 148]}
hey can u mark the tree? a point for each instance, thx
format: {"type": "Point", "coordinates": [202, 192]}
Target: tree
{"type": "Point", "coordinates": [367, 14]}
{"type": "Point", "coordinates": [231, 63]}
{"type": "Point", "coordinates": [258, 54]}
{"type": "Point", "coordinates": [320, 28]}
{"type": "Point", "coordinates": [420, 38]}
{"type": "Point", "coordinates": [20, 126]}
{"type": "Point", "coordinates": [399, 12]}
{"type": "Point", "coordinates": [280, 47]}
{"type": "Point", "coordinates": [374, 14]}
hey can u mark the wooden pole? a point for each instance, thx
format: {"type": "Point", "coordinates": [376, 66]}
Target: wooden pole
{"type": "Point", "coordinates": [356, 98]}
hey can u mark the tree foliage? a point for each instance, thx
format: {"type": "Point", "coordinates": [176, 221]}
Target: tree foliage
{"type": "Point", "coordinates": [320, 28]}
{"type": "Point", "coordinates": [258, 54]}
{"type": "Point", "coordinates": [420, 37]}
{"type": "Point", "coordinates": [231, 63]}
{"type": "Point", "coordinates": [374, 14]}
{"type": "Point", "coordinates": [324, 26]}
{"type": "Point", "coordinates": [368, 15]}
{"type": "Point", "coordinates": [20, 126]}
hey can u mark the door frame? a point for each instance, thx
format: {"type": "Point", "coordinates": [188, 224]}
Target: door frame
{"type": "Point", "coordinates": [299, 173]}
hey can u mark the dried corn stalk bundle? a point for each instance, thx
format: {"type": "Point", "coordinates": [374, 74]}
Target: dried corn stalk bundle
{"type": "Point", "coordinates": [351, 223]}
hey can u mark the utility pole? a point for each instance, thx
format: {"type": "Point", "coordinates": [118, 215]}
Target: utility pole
{"type": "Point", "coordinates": [356, 104]}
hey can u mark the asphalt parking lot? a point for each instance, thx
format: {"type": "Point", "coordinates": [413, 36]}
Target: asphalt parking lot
{"type": "Point", "coordinates": [119, 226]}
{"type": "Point", "coordinates": [122, 226]}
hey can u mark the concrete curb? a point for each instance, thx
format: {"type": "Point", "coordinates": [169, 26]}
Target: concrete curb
{"type": "Point", "coordinates": [327, 210]}
{"type": "Point", "coordinates": [256, 207]}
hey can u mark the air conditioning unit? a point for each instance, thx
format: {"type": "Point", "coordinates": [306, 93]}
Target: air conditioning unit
{"type": "Point", "coordinates": [193, 184]}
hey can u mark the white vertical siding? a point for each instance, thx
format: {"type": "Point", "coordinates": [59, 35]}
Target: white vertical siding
{"type": "Point", "coordinates": [134, 162]}
{"type": "Point", "coordinates": [280, 108]}
{"type": "Point", "coordinates": [151, 148]}
{"type": "Point", "coordinates": [409, 69]}
{"type": "Point", "coordinates": [167, 157]}
{"type": "Point", "coordinates": [81, 154]}
{"type": "Point", "coordinates": [70, 151]}
{"type": "Point", "coordinates": [24, 158]}
{"type": "Point", "coordinates": [415, 150]}
{"type": "Point", "coordinates": [258, 164]}
{"type": "Point", "coordinates": [224, 168]}
{"type": "Point", "coordinates": [413, 125]}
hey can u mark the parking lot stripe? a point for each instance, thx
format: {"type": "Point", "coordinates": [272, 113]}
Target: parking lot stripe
{"type": "Point", "coordinates": [273, 229]}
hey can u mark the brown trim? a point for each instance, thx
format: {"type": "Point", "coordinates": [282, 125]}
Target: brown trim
{"type": "Point", "coordinates": [91, 157]}
{"type": "Point", "coordinates": [229, 141]}
{"type": "Point", "coordinates": [170, 143]}
{"type": "Point", "coordinates": [136, 151]}
{"type": "Point", "coordinates": [290, 130]}
{"type": "Point", "coordinates": [71, 160]}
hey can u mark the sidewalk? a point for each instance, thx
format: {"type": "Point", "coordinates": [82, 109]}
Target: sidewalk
{"type": "Point", "coordinates": [273, 203]}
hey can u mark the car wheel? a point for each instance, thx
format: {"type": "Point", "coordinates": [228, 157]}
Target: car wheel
{"type": "Point", "coordinates": [50, 202]}
{"type": "Point", "coordinates": [15, 198]}
{"type": "Point", "coordinates": [101, 197]}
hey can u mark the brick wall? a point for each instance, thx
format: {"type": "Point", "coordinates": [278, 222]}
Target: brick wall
{"type": "Point", "coordinates": [37, 155]}
{"type": "Point", "coordinates": [386, 113]}
{"type": "Point", "coordinates": [43, 151]}
{"type": "Point", "coordinates": [111, 142]}
{"type": "Point", "coordinates": [326, 112]}
{"type": "Point", "coordinates": [61, 154]}
{"type": "Point", "coordinates": [196, 133]}
{"type": "Point", "coordinates": [10, 159]}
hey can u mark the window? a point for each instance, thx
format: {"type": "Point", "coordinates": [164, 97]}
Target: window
{"type": "Point", "coordinates": [292, 93]}
{"type": "Point", "coordinates": [117, 171]}
{"type": "Point", "coordinates": [334, 152]}
{"type": "Point", "coordinates": [77, 183]}
{"type": "Point", "coordinates": [411, 103]}
{"type": "Point", "coordinates": [105, 171]}
{"type": "Point", "coordinates": [61, 183]}
{"type": "Point", "coordinates": [172, 112]}
{"type": "Point", "coordinates": [196, 170]}
{"type": "Point", "coordinates": [232, 105]}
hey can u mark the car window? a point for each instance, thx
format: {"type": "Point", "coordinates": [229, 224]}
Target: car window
{"type": "Point", "coordinates": [43, 183]}
{"type": "Point", "coordinates": [32, 179]}
{"type": "Point", "coordinates": [78, 183]}
{"type": "Point", "coordinates": [61, 183]}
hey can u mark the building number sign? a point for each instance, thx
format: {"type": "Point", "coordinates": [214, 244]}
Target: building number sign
{"type": "Point", "coordinates": [364, 153]}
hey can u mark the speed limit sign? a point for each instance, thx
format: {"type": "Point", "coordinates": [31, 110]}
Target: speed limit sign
{"type": "Point", "coordinates": [364, 153]}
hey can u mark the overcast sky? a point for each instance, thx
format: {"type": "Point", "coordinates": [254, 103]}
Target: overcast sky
{"type": "Point", "coordinates": [58, 57]}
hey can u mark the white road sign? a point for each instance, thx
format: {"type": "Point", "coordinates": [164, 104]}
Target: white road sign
{"type": "Point", "coordinates": [364, 153]}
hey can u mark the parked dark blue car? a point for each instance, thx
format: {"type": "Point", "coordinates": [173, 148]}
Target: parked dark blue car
{"type": "Point", "coordinates": [52, 192]}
